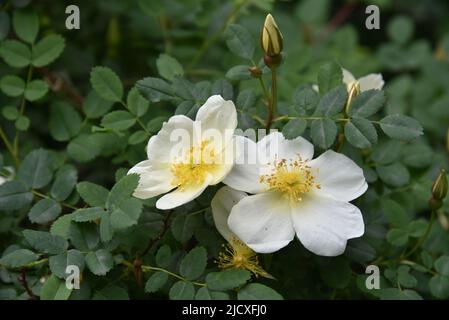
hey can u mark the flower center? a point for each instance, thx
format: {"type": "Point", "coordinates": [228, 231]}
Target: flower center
{"type": "Point", "coordinates": [193, 168]}
{"type": "Point", "coordinates": [292, 178]}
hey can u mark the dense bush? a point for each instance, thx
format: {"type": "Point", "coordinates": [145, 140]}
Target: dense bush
{"type": "Point", "coordinates": [79, 106]}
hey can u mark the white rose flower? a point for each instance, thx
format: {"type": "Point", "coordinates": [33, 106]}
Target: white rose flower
{"type": "Point", "coordinates": [186, 156]}
{"type": "Point", "coordinates": [365, 83]}
{"type": "Point", "coordinates": [295, 195]}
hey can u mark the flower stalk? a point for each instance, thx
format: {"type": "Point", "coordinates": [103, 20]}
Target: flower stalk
{"type": "Point", "coordinates": [272, 106]}
{"type": "Point", "coordinates": [271, 41]}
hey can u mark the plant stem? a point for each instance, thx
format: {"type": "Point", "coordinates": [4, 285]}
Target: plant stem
{"type": "Point", "coordinates": [34, 263]}
{"type": "Point", "coordinates": [306, 118]}
{"type": "Point", "coordinates": [9, 146]}
{"type": "Point", "coordinates": [273, 101]}
{"type": "Point", "coordinates": [146, 268]}
{"type": "Point", "coordinates": [423, 237]}
{"type": "Point", "coordinates": [41, 195]}
{"type": "Point", "coordinates": [150, 268]}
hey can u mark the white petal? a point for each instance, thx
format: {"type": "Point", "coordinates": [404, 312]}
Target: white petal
{"type": "Point", "coordinates": [323, 225]}
{"type": "Point", "coordinates": [220, 173]}
{"type": "Point", "coordinates": [175, 136]}
{"type": "Point", "coordinates": [217, 113]}
{"type": "Point", "coordinates": [275, 147]}
{"type": "Point", "coordinates": [315, 88]}
{"type": "Point", "coordinates": [181, 196]}
{"type": "Point", "coordinates": [348, 78]}
{"type": "Point", "coordinates": [154, 179]}
{"type": "Point", "coordinates": [338, 176]}
{"type": "Point", "coordinates": [224, 162]}
{"type": "Point", "coordinates": [263, 222]}
{"type": "Point", "coordinates": [221, 204]}
{"type": "Point", "coordinates": [245, 174]}
{"type": "Point", "coordinates": [371, 81]}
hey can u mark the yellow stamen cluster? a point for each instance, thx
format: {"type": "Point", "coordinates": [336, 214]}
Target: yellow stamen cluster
{"type": "Point", "coordinates": [237, 255]}
{"type": "Point", "coordinates": [192, 169]}
{"type": "Point", "coordinates": [293, 179]}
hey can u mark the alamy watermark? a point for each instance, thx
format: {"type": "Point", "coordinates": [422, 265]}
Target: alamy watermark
{"type": "Point", "coordinates": [73, 279]}
{"type": "Point", "coordinates": [73, 19]}
{"type": "Point", "coordinates": [373, 280]}
{"type": "Point", "coordinates": [373, 20]}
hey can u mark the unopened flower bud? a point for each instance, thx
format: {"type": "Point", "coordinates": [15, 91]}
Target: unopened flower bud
{"type": "Point", "coordinates": [271, 38]}
{"type": "Point", "coordinates": [439, 188]}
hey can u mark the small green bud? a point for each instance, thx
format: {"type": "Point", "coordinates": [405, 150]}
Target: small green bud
{"type": "Point", "coordinates": [271, 38]}
{"type": "Point", "coordinates": [439, 188]}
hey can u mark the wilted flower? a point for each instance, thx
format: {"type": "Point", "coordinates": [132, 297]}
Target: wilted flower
{"type": "Point", "coordinates": [236, 254]}
{"type": "Point", "coordinates": [365, 83]}
{"type": "Point", "coordinates": [188, 155]}
{"type": "Point", "coordinates": [295, 194]}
